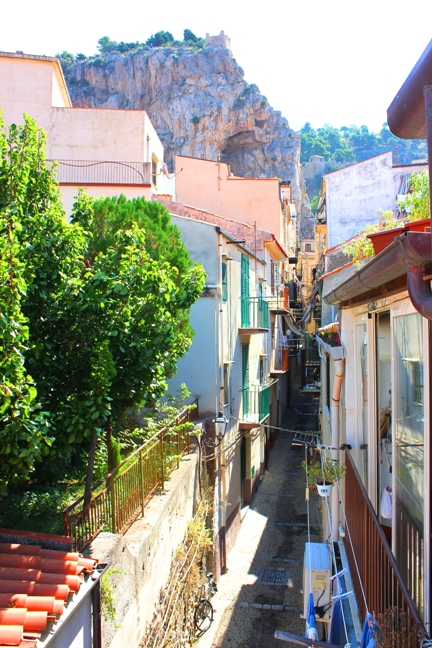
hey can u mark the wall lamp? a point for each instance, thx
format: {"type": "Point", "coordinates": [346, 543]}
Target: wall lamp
{"type": "Point", "coordinates": [220, 423]}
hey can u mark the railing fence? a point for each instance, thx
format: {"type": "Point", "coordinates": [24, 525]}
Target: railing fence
{"type": "Point", "coordinates": [122, 495]}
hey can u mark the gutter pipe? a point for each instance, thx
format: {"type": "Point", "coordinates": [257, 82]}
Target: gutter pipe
{"type": "Point", "coordinates": [412, 249]}
{"type": "Point", "coordinates": [409, 116]}
{"type": "Point", "coordinates": [334, 424]}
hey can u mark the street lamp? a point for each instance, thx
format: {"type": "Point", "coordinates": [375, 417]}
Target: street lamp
{"type": "Point", "coordinates": [220, 423]}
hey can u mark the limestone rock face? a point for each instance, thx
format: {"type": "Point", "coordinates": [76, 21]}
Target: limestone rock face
{"type": "Point", "coordinates": [200, 105]}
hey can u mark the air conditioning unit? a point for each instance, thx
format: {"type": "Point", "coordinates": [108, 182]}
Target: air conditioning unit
{"type": "Point", "coordinates": [316, 577]}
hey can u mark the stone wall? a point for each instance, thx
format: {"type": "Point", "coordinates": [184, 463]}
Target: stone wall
{"type": "Point", "coordinates": [141, 558]}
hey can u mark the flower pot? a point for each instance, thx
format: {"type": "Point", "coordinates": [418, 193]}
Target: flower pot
{"type": "Point", "coordinates": [417, 226]}
{"type": "Point", "coordinates": [324, 489]}
{"type": "Point", "coordinates": [383, 238]}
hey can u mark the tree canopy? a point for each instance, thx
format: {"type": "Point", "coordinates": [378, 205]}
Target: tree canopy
{"type": "Point", "coordinates": [350, 144]}
{"type": "Point", "coordinates": [94, 312]}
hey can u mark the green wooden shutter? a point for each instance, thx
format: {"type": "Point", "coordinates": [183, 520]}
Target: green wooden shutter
{"type": "Point", "coordinates": [224, 281]}
{"type": "Point", "coordinates": [245, 378]}
{"type": "Point", "coordinates": [245, 295]}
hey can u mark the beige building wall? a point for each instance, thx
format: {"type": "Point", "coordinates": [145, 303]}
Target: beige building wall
{"type": "Point", "coordinates": [32, 85]}
{"type": "Point", "coordinates": [69, 193]}
{"type": "Point", "coordinates": [35, 85]}
{"type": "Point", "coordinates": [209, 185]}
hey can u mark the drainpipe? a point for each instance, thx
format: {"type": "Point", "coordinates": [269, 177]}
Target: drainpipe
{"type": "Point", "coordinates": [220, 359]}
{"type": "Point", "coordinates": [418, 277]}
{"type": "Point", "coordinates": [334, 424]}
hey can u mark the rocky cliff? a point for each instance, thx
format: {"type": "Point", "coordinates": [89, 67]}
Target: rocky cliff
{"type": "Point", "coordinates": [200, 106]}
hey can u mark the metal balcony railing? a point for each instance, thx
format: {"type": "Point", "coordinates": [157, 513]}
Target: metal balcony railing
{"type": "Point", "coordinates": [119, 498]}
{"type": "Point", "coordinates": [311, 350]}
{"type": "Point", "coordinates": [256, 403]}
{"type": "Point", "coordinates": [373, 566]}
{"type": "Point", "coordinates": [279, 302]}
{"type": "Point", "coordinates": [88, 172]}
{"type": "Point", "coordinates": [254, 313]}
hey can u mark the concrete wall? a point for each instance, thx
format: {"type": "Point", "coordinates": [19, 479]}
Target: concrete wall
{"type": "Point", "coordinates": [355, 194]}
{"type": "Point", "coordinates": [208, 185]}
{"type": "Point", "coordinates": [143, 555]}
{"type": "Point", "coordinates": [69, 193]}
{"type": "Point", "coordinates": [35, 85]}
{"type": "Point", "coordinates": [32, 85]}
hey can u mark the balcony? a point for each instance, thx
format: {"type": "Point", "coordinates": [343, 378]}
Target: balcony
{"type": "Point", "coordinates": [279, 303]}
{"type": "Point", "coordinates": [254, 315]}
{"type": "Point", "coordinates": [376, 575]}
{"type": "Point", "coordinates": [279, 360]}
{"type": "Point", "coordinates": [312, 358]}
{"type": "Point", "coordinates": [255, 405]}
{"type": "Point", "coordinates": [96, 172]}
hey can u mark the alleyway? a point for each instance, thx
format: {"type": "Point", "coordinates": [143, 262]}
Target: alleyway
{"type": "Point", "coordinates": [261, 591]}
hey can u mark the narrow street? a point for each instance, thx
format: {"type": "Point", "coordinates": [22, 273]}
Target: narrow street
{"type": "Point", "coordinates": [261, 591]}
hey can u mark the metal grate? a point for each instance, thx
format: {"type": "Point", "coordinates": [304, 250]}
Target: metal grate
{"type": "Point", "coordinates": [273, 576]}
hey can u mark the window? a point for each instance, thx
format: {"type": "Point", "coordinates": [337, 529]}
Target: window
{"type": "Point", "coordinates": [224, 281]}
{"type": "Point", "coordinates": [225, 384]}
{"type": "Point", "coordinates": [154, 171]}
{"type": "Point", "coordinates": [261, 371]}
{"type": "Point", "coordinates": [308, 247]}
{"type": "Point", "coordinates": [409, 458]}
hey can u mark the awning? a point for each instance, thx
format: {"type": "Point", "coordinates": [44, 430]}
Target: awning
{"type": "Point", "coordinates": [307, 315]}
{"type": "Point", "coordinates": [291, 325]}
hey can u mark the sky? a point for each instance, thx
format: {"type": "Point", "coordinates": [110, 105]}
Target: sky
{"type": "Point", "coordinates": [335, 62]}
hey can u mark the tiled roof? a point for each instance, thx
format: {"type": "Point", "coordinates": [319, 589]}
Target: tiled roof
{"type": "Point", "coordinates": [36, 584]}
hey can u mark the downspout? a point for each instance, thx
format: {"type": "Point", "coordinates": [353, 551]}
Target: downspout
{"type": "Point", "coordinates": [334, 424]}
{"type": "Point", "coordinates": [222, 459]}
{"type": "Point", "coordinates": [418, 277]}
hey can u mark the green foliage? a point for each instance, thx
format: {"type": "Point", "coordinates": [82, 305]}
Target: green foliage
{"type": "Point", "coordinates": [24, 429]}
{"type": "Point", "coordinates": [361, 247]}
{"type": "Point", "coordinates": [189, 36]}
{"type": "Point", "coordinates": [107, 46]}
{"type": "Point", "coordinates": [159, 39]}
{"type": "Point", "coordinates": [94, 312]}
{"type": "Point", "coordinates": [417, 201]}
{"type": "Point", "coordinates": [327, 471]}
{"type": "Point", "coordinates": [66, 60]}
{"type": "Point", "coordinates": [39, 508]}
{"type": "Point", "coordinates": [195, 120]}
{"type": "Point", "coordinates": [107, 596]}
{"type": "Point", "coordinates": [348, 145]}
{"type": "Point", "coordinates": [314, 203]}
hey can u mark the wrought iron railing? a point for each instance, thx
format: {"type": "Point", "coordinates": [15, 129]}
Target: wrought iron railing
{"type": "Point", "coordinates": [87, 172]}
{"type": "Point", "coordinates": [122, 495]}
{"type": "Point", "coordinates": [255, 313]}
{"type": "Point", "coordinates": [256, 402]}
{"type": "Point", "coordinates": [279, 302]}
{"type": "Point", "coordinates": [378, 583]}
{"type": "Point", "coordinates": [311, 350]}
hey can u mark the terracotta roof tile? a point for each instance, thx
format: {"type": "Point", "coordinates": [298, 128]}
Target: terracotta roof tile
{"type": "Point", "coordinates": [35, 583]}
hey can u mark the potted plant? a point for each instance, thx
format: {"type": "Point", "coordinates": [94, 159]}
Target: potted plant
{"type": "Point", "coordinates": [324, 474]}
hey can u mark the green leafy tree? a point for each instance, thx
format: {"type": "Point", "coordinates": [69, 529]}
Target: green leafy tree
{"type": "Point", "coordinates": [24, 430]}
{"type": "Point", "coordinates": [189, 36]}
{"type": "Point", "coordinates": [361, 246]}
{"type": "Point", "coordinates": [417, 201]}
{"type": "Point", "coordinates": [105, 45]}
{"type": "Point", "coordinates": [66, 60]}
{"type": "Point", "coordinates": [160, 39]}
{"type": "Point", "coordinates": [96, 316]}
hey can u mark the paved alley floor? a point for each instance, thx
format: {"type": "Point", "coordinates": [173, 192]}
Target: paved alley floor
{"type": "Point", "coordinates": [261, 591]}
